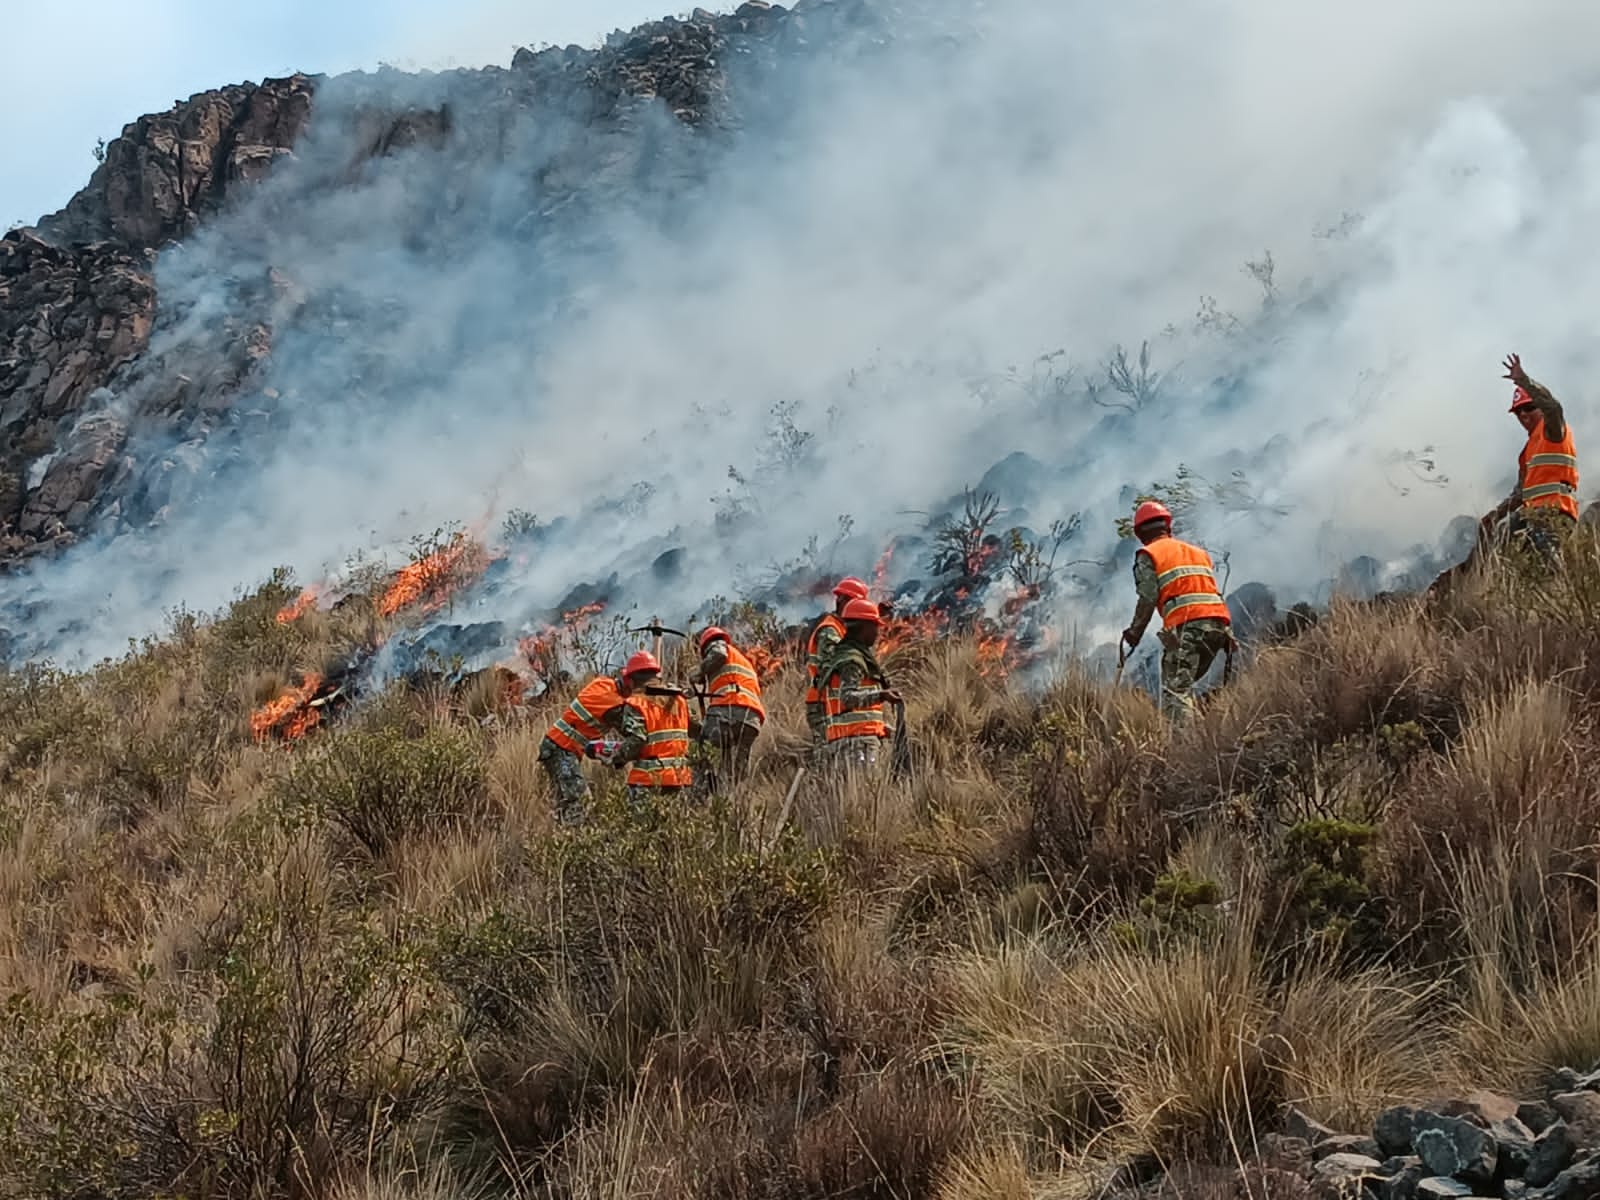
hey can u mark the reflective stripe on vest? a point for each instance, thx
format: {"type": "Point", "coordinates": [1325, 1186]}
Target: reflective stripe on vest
{"type": "Point", "coordinates": [582, 723]}
{"type": "Point", "coordinates": [852, 723]}
{"type": "Point", "coordinates": [737, 685]}
{"type": "Point", "coordinates": [1549, 472]}
{"type": "Point", "coordinates": [814, 656]}
{"type": "Point", "coordinates": [1186, 581]}
{"type": "Point", "coordinates": [664, 761]}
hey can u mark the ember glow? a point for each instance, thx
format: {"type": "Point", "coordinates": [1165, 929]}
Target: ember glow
{"type": "Point", "coordinates": [543, 650]}
{"type": "Point", "coordinates": [430, 581]}
{"type": "Point", "coordinates": [303, 603]}
{"type": "Point", "coordinates": [290, 716]}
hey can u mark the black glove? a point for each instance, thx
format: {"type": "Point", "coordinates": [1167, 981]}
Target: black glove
{"type": "Point", "coordinates": [1131, 637]}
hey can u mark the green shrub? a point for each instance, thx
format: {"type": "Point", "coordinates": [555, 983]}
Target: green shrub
{"type": "Point", "coordinates": [380, 785]}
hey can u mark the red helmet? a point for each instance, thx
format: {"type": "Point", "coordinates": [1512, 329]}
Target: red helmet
{"type": "Point", "coordinates": [862, 610]}
{"type": "Point", "coordinates": [1520, 400]}
{"type": "Point", "coordinates": [1151, 510]}
{"type": "Point", "coordinates": [640, 663]}
{"type": "Point", "coordinates": [851, 588]}
{"type": "Point", "coordinates": [710, 634]}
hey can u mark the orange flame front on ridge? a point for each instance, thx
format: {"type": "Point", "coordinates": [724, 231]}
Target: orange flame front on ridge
{"type": "Point", "coordinates": [432, 578]}
{"type": "Point", "coordinates": [290, 714]}
{"type": "Point", "coordinates": [303, 603]}
{"type": "Point", "coordinates": [543, 649]}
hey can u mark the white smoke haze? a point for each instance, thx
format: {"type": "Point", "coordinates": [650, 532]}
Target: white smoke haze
{"type": "Point", "coordinates": [875, 249]}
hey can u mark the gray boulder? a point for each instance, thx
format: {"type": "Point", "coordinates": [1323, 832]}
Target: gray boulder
{"type": "Point", "coordinates": [1455, 1147]}
{"type": "Point", "coordinates": [1552, 1153]}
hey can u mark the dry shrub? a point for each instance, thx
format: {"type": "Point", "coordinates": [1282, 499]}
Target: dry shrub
{"type": "Point", "coordinates": [1155, 1049]}
{"type": "Point", "coordinates": [1348, 1045]}
{"type": "Point", "coordinates": [1518, 791]}
{"type": "Point", "coordinates": [889, 1137]}
{"type": "Point", "coordinates": [992, 1173]}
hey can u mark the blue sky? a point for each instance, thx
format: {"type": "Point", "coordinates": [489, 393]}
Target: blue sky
{"type": "Point", "coordinates": [76, 72]}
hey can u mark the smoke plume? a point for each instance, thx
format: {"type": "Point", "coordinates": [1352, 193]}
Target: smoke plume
{"type": "Point", "coordinates": [856, 296]}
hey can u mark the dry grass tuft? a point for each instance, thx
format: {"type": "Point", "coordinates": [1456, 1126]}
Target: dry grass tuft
{"type": "Point", "coordinates": [368, 966]}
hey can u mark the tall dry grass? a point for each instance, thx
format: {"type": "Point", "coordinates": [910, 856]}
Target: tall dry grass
{"type": "Point", "coordinates": [371, 966]}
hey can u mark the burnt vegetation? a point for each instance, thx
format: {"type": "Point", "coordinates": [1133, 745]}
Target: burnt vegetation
{"type": "Point", "coordinates": [365, 964]}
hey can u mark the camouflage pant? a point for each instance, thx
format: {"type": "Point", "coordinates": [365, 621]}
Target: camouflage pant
{"type": "Point", "coordinates": [733, 731]}
{"type": "Point", "coordinates": [817, 723]}
{"type": "Point", "coordinates": [853, 756]}
{"type": "Point", "coordinates": [565, 770]}
{"type": "Point", "coordinates": [1542, 530]}
{"type": "Point", "coordinates": [1187, 654]}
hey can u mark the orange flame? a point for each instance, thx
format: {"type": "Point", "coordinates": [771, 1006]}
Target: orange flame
{"type": "Point", "coordinates": [543, 649]}
{"type": "Point", "coordinates": [303, 603]}
{"type": "Point", "coordinates": [433, 578]}
{"type": "Point", "coordinates": [767, 660]}
{"type": "Point", "coordinates": [290, 715]}
{"type": "Point", "coordinates": [880, 571]}
{"type": "Point", "coordinates": [902, 631]}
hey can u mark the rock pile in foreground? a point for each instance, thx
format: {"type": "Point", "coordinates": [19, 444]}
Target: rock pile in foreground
{"type": "Point", "coordinates": [1485, 1145]}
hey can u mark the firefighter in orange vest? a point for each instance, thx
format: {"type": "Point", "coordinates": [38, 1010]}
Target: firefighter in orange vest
{"type": "Point", "coordinates": [596, 710]}
{"type": "Point", "coordinates": [734, 711]}
{"type": "Point", "coordinates": [825, 635]}
{"type": "Point", "coordinates": [656, 730]}
{"type": "Point", "coordinates": [1180, 581]}
{"type": "Point", "coordinates": [1543, 507]}
{"type": "Point", "coordinates": [855, 688]}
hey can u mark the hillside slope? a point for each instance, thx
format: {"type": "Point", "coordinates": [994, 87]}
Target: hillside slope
{"type": "Point", "coordinates": [1075, 952]}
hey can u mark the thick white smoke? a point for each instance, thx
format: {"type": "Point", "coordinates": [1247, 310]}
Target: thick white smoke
{"type": "Point", "coordinates": [875, 250]}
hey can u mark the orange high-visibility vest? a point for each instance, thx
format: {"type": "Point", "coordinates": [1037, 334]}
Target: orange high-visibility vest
{"type": "Point", "coordinates": [664, 761]}
{"type": "Point", "coordinates": [1187, 581]}
{"type": "Point", "coordinates": [737, 685]}
{"type": "Point", "coordinates": [1548, 472]}
{"type": "Point", "coordinates": [814, 656]}
{"type": "Point", "coordinates": [581, 723]}
{"type": "Point", "coordinates": [852, 723]}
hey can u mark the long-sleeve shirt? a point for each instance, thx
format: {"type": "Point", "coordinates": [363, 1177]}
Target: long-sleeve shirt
{"type": "Point", "coordinates": [716, 658]}
{"type": "Point", "coordinates": [1149, 590]}
{"type": "Point", "coordinates": [1555, 428]}
{"type": "Point", "coordinates": [850, 664]}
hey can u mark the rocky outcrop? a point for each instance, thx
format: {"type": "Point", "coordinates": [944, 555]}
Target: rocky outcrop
{"type": "Point", "coordinates": [167, 172]}
{"type": "Point", "coordinates": [69, 318]}
{"type": "Point", "coordinates": [101, 433]}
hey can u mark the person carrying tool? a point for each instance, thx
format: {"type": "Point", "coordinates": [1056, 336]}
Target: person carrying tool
{"type": "Point", "coordinates": [596, 709]}
{"type": "Point", "coordinates": [855, 689]}
{"type": "Point", "coordinates": [1543, 506]}
{"type": "Point", "coordinates": [1181, 581]}
{"type": "Point", "coordinates": [656, 729]}
{"type": "Point", "coordinates": [825, 635]}
{"type": "Point", "coordinates": [734, 711]}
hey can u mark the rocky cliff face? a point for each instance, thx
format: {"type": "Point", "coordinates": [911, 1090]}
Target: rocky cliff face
{"type": "Point", "coordinates": [78, 297]}
{"type": "Point", "coordinates": [105, 425]}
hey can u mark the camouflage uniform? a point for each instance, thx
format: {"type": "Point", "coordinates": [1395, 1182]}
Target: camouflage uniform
{"type": "Point", "coordinates": [1541, 529]}
{"type": "Point", "coordinates": [566, 777]}
{"type": "Point", "coordinates": [854, 665]}
{"type": "Point", "coordinates": [816, 717]}
{"type": "Point", "coordinates": [732, 730]}
{"type": "Point", "coordinates": [634, 737]}
{"type": "Point", "coordinates": [1187, 652]}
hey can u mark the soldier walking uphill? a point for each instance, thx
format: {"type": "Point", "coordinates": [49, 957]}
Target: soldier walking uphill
{"type": "Point", "coordinates": [1543, 507]}
{"type": "Point", "coordinates": [854, 690]}
{"type": "Point", "coordinates": [1180, 580]}
{"type": "Point", "coordinates": [825, 635]}
{"type": "Point", "coordinates": [734, 712]}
